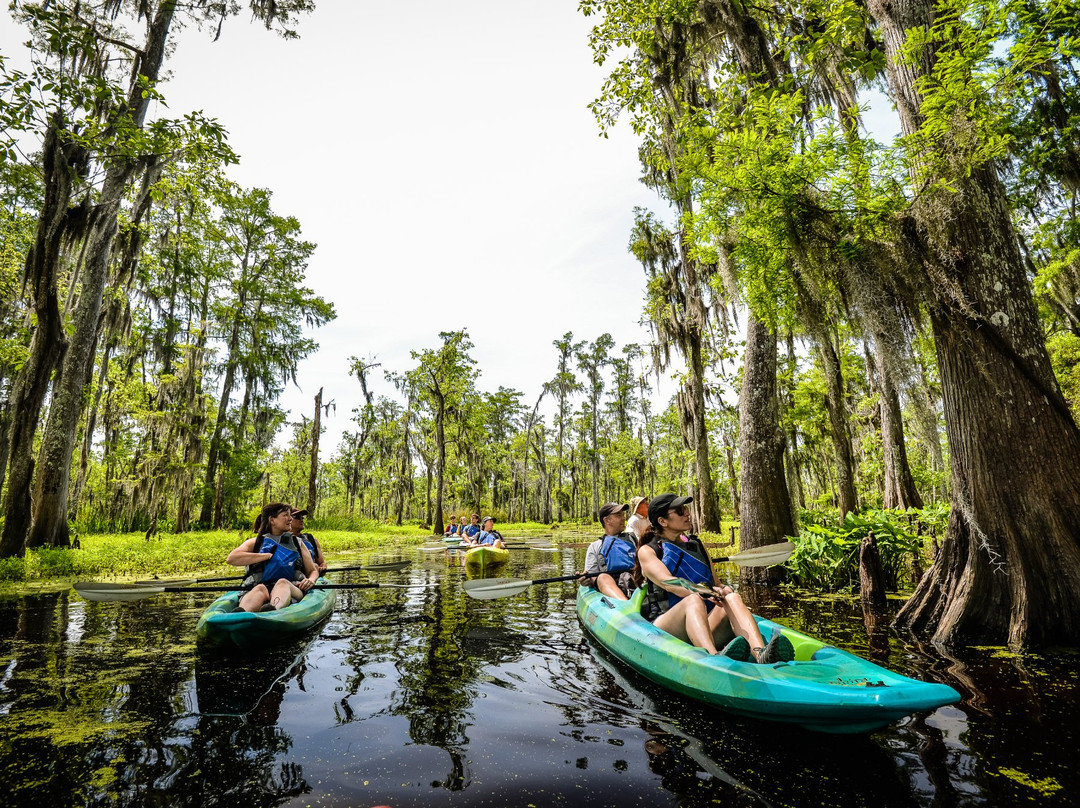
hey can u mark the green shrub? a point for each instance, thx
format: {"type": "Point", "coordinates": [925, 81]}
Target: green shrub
{"type": "Point", "coordinates": [828, 557]}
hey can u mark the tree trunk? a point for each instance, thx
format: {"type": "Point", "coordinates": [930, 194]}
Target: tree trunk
{"type": "Point", "coordinates": [838, 423]}
{"type": "Point", "coordinates": [766, 503]}
{"type": "Point", "coordinates": [1009, 569]}
{"type": "Point", "coordinates": [705, 495]}
{"type": "Point", "coordinates": [48, 342]}
{"type": "Point", "coordinates": [313, 477]}
{"type": "Point", "coordinates": [900, 491]}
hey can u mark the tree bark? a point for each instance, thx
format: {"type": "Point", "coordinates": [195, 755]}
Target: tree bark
{"type": "Point", "coordinates": [900, 491]}
{"type": "Point", "coordinates": [838, 423]}
{"type": "Point", "coordinates": [766, 503]}
{"type": "Point", "coordinates": [59, 161]}
{"type": "Point", "coordinates": [313, 477]}
{"type": "Point", "coordinates": [1009, 569]}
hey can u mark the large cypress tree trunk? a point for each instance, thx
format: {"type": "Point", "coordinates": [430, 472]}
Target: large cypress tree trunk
{"type": "Point", "coordinates": [1009, 569]}
{"type": "Point", "coordinates": [766, 503]}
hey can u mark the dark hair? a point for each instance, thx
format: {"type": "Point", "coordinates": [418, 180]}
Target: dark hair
{"type": "Point", "coordinates": [646, 537]}
{"type": "Point", "coordinates": [262, 521]}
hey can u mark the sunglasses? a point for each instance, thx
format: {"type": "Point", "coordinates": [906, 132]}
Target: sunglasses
{"type": "Point", "coordinates": [680, 511]}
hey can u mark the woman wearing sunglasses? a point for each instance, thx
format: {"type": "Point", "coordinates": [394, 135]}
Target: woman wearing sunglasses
{"type": "Point", "coordinates": [667, 551]}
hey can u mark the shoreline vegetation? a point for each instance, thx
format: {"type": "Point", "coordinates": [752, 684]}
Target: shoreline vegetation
{"type": "Point", "coordinates": [826, 557]}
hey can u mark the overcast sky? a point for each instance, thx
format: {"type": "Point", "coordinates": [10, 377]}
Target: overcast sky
{"type": "Point", "coordinates": [444, 159]}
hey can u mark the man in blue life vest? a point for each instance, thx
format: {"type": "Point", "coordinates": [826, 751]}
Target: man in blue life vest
{"type": "Point", "coordinates": [472, 530]}
{"type": "Point", "coordinates": [611, 557]}
{"type": "Point", "coordinates": [313, 546]}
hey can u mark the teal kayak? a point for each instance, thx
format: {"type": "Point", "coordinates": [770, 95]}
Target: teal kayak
{"type": "Point", "coordinates": [223, 623]}
{"type": "Point", "coordinates": [824, 689]}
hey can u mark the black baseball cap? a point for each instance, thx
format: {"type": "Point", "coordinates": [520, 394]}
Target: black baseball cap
{"type": "Point", "coordinates": [299, 514]}
{"type": "Point", "coordinates": [659, 506]}
{"type": "Point", "coordinates": [612, 507]}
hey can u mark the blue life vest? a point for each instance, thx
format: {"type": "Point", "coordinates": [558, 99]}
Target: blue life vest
{"type": "Point", "coordinates": [489, 537]}
{"type": "Point", "coordinates": [311, 544]}
{"type": "Point", "coordinates": [690, 561]}
{"type": "Point", "coordinates": [618, 553]}
{"type": "Point", "coordinates": [470, 530]}
{"type": "Point", "coordinates": [284, 563]}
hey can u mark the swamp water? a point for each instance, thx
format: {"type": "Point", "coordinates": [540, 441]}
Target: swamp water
{"type": "Point", "coordinates": [423, 697]}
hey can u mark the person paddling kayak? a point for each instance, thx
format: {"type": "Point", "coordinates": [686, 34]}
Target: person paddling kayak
{"type": "Point", "coordinates": [488, 535]}
{"type": "Point", "coordinates": [279, 566]}
{"type": "Point", "coordinates": [609, 561]}
{"type": "Point", "coordinates": [666, 551]}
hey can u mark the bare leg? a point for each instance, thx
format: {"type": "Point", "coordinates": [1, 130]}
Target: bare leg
{"type": "Point", "coordinates": [283, 594]}
{"type": "Point", "coordinates": [688, 621]}
{"type": "Point", "coordinates": [733, 618]}
{"type": "Point", "coordinates": [607, 586]}
{"type": "Point", "coordinates": [254, 599]}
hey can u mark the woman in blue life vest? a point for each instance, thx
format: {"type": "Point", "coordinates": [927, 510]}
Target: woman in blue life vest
{"type": "Point", "coordinates": [452, 528]}
{"type": "Point", "coordinates": [279, 566]}
{"type": "Point", "coordinates": [666, 552]}
{"type": "Point", "coordinates": [488, 535]}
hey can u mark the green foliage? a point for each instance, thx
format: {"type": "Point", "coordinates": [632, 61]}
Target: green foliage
{"type": "Point", "coordinates": [1064, 349]}
{"type": "Point", "coordinates": [827, 557]}
{"type": "Point", "coordinates": [178, 555]}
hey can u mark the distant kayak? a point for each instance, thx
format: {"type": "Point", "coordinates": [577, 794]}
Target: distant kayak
{"type": "Point", "coordinates": [824, 689]}
{"type": "Point", "coordinates": [483, 557]}
{"type": "Point", "coordinates": [224, 623]}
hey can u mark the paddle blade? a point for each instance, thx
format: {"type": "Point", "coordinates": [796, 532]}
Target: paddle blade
{"type": "Point", "coordinates": [765, 556]}
{"type": "Point", "coordinates": [389, 566]}
{"type": "Point", "coordinates": [163, 582]}
{"type": "Point", "coordinates": [115, 592]}
{"type": "Point", "coordinates": [492, 588]}
{"type": "Point", "coordinates": [685, 584]}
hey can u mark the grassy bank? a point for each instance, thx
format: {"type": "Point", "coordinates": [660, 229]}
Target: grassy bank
{"type": "Point", "coordinates": [115, 555]}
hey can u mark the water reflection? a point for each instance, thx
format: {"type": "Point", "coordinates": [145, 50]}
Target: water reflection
{"type": "Point", "coordinates": [424, 697]}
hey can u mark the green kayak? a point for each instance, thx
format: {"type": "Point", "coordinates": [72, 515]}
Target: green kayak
{"type": "Point", "coordinates": [824, 689]}
{"type": "Point", "coordinates": [484, 557]}
{"type": "Point", "coordinates": [222, 623]}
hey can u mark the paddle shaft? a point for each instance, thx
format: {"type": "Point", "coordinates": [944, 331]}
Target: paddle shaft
{"type": "Point", "coordinates": [241, 589]}
{"type": "Point", "coordinates": [388, 567]}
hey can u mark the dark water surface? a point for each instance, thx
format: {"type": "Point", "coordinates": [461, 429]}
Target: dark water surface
{"type": "Point", "coordinates": [424, 697]}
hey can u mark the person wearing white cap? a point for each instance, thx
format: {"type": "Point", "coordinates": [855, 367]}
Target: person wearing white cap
{"type": "Point", "coordinates": [638, 522]}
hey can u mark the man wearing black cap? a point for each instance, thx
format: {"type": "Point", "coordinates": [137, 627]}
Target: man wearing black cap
{"type": "Point", "coordinates": [297, 530]}
{"type": "Point", "coordinates": [611, 557]}
{"type": "Point", "coordinates": [672, 552]}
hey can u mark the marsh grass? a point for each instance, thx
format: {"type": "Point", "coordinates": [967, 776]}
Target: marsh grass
{"type": "Point", "coordinates": [123, 555]}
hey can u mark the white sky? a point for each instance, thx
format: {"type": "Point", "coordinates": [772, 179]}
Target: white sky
{"type": "Point", "coordinates": [443, 158]}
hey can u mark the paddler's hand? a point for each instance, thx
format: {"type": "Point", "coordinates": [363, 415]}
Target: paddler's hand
{"type": "Point", "coordinates": [305, 584]}
{"type": "Point", "coordinates": [720, 592]}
